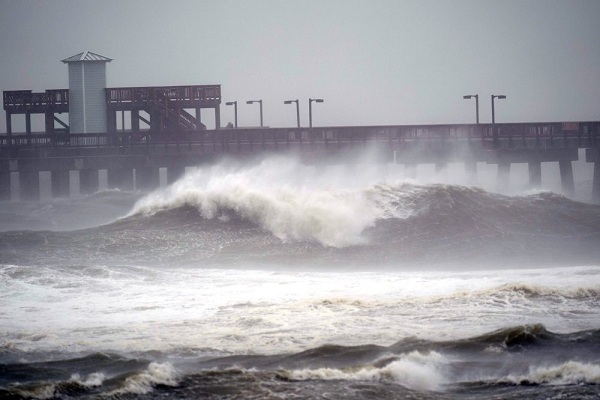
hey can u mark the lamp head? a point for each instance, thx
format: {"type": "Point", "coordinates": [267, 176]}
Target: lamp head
{"type": "Point", "coordinates": [231, 103]}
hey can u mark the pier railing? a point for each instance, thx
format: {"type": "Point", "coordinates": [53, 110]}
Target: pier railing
{"type": "Point", "coordinates": [517, 135]}
{"type": "Point", "coordinates": [141, 96]}
{"type": "Point", "coordinates": [26, 100]}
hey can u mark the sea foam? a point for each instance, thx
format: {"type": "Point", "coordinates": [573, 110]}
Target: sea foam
{"type": "Point", "coordinates": [281, 196]}
{"type": "Point", "coordinates": [144, 381]}
{"type": "Point", "coordinates": [569, 373]}
{"type": "Point", "coordinates": [414, 370]}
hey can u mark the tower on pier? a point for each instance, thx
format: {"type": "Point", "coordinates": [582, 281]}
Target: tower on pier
{"type": "Point", "coordinates": [87, 84]}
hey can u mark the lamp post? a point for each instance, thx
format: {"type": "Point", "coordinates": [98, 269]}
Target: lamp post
{"type": "Point", "coordinates": [234, 104]}
{"type": "Point", "coordinates": [495, 131]}
{"type": "Point", "coordinates": [476, 96]}
{"type": "Point", "coordinates": [261, 109]}
{"type": "Point", "coordinates": [310, 101]}
{"type": "Point", "coordinates": [297, 109]}
{"type": "Point", "coordinates": [495, 96]}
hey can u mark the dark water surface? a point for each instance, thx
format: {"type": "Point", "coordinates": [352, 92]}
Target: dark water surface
{"type": "Point", "coordinates": [262, 283]}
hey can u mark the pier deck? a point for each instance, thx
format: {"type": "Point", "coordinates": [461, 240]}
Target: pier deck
{"type": "Point", "coordinates": [131, 157]}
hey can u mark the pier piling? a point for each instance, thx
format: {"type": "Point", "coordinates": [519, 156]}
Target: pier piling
{"type": "Point", "coordinates": [566, 177]}
{"type": "Point", "coordinates": [60, 183]}
{"type": "Point", "coordinates": [535, 174]}
{"type": "Point", "coordinates": [503, 176]}
{"type": "Point", "coordinates": [88, 181]}
{"type": "Point", "coordinates": [596, 183]}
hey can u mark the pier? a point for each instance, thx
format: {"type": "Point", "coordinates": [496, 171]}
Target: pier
{"type": "Point", "coordinates": [83, 148]}
{"type": "Point", "coordinates": [133, 159]}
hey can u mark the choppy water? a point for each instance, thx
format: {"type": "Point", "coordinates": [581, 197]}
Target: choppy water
{"type": "Point", "coordinates": [273, 281]}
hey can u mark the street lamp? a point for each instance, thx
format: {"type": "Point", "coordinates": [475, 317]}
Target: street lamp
{"type": "Point", "coordinates": [476, 96]}
{"type": "Point", "coordinates": [494, 130]}
{"type": "Point", "coordinates": [495, 96]}
{"type": "Point", "coordinates": [297, 109]}
{"type": "Point", "coordinates": [234, 104]}
{"type": "Point", "coordinates": [310, 101]}
{"type": "Point", "coordinates": [261, 113]}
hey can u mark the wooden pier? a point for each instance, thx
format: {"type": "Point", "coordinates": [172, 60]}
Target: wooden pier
{"type": "Point", "coordinates": [131, 137]}
{"type": "Point", "coordinates": [165, 106]}
{"type": "Point", "coordinates": [132, 159]}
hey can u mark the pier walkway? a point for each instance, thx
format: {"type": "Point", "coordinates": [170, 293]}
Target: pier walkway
{"type": "Point", "coordinates": [132, 159]}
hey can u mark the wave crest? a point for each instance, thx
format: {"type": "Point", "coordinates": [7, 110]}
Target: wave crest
{"type": "Point", "coordinates": [335, 208]}
{"type": "Point", "coordinates": [569, 373]}
{"type": "Point", "coordinates": [268, 195]}
{"type": "Point", "coordinates": [144, 381]}
{"type": "Point", "coordinates": [414, 370]}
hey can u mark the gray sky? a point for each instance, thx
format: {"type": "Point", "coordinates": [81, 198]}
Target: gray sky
{"type": "Point", "coordinates": [374, 62]}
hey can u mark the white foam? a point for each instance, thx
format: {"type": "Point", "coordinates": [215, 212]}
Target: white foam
{"type": "Point", "coordinates": [539, 290]}
{"type": "Point", "coordinates": [92, 380]}
{"type": "Point", "coordinates": [40, 393]}
{"type": "Point", "coordinates": [143, 382]}
{"type": "Point", "coordinates": [570, 373]}
{"type": "Point", "coordinates": [282, 196]}
{"type": "Point", "coordinates": [414, 370]}
{"type": "Point", "coordinates": [133, 309]}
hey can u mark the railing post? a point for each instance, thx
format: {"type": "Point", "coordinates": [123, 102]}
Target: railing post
{"type": "Point", "coordinates": [8, 122]}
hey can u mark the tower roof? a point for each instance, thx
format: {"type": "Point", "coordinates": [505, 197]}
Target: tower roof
{"type": "Point", "coordinates": [86, 56]}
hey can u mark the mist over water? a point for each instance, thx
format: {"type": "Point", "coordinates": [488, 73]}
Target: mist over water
{"type": "Point", "coordinates": [278, 279]}
{"type": "Point", "coordinates": [67, 214]}
{"type": "Point", "coordinates": [276, 195]}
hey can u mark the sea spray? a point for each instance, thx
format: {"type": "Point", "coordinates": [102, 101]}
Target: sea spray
{"type": "Point", "coordinates": [278, 196]}
{"type": "Point", "coordinates": [569, 373]}
{"type": "Point", "coordinates": [144, 381]}
{"type": "Point", "coordinates": [167, 303]}
{"type": "Point", "coordinates": [414, 370]}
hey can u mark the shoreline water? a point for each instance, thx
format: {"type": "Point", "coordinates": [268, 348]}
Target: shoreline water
{"type": "Point", "coordinates": [238, 289]}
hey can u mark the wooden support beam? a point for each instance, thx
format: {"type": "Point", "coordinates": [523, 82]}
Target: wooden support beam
{"type": "Point", "coordinates": [503, 176]}
{"type": "Point", "coordinates": [4, 186]}
{"type": "Point", "coordinates": [88, 181]}
{"type": "Point", "coordinates": [61, 122]}
{"type": "Point", "coordinates": [135, 120]}
{"type": "Point", "coordinates": [596, 182]}
{"type": "Point", "coordinates": [8, 123]}
{"type": "Point", "coordinates": [217, 117]}
{"type": "Point", "coordinates": [28, 123]}
{"type": "Point", "coordinates": [60, 183]}
{"type": "Point", "coordinates": [49, 121]}
{"type": "Point", "coordinates": [29, 185]}
{"type": "Point", "coordinates": [145, 120]}
{"type": "Point", "coordinates": [566, 177]}
{"type": "Point", "coordinates": [535, 174]}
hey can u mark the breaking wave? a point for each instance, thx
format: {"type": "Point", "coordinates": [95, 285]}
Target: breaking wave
{"type": "Point", "coordinates": [279, 212]}
{"type": "Point", "coordinates": [144, 381]}
{"type": "Point", "coordinates": [413, 370]}
{"type": "Point", "coordinates": [296, 204]}
{"type": "Point", "coordinates": [569, 373]}
{"type": "Point", "coordinates": [264, 195]}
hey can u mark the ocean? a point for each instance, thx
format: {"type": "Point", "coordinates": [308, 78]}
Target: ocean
{"type": "Point", "coordinates": [276, 280]}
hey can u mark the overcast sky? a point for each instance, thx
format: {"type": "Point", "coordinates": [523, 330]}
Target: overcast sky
{"type": "Point", "coordinates": [373, 62]}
